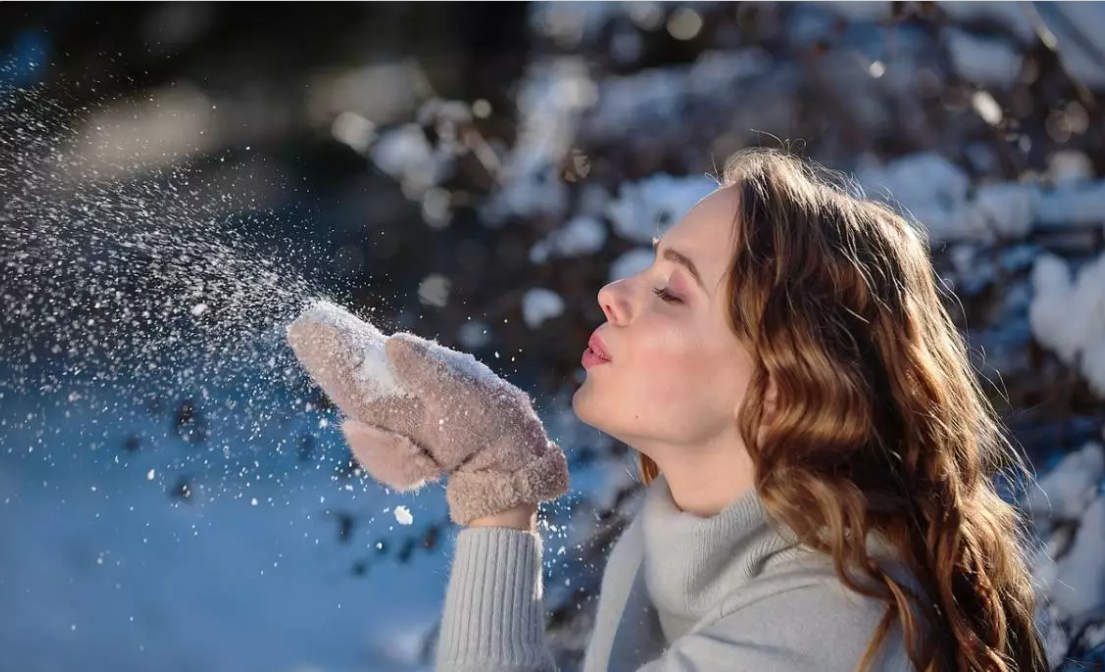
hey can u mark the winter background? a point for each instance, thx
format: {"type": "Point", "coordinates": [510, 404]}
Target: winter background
{"type": "Point", "coordinates": [177, 180]}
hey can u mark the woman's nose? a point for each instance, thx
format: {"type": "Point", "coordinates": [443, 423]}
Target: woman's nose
{"type": "Point", "coordinates": [613, 302]}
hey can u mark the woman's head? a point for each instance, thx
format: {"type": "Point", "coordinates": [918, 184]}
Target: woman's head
{"type": "Point", "coordinates": [677, 371]}
{"type": "Point", "coordinates": [850, 388]}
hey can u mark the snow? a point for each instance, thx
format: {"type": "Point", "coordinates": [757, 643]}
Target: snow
{"type": "Point", "coordinates": [988, 61]}
{"type": "Point", "coordinates": [358, 133]}
{"type": "Point", "coordinates": [938, 194]}
{"type": "Point", "coordinates": [571, 22]}
{"type": "Point", "coordinates": [239, 570]}
{"type": "Point", "coordinates": [551, 99]}
{"type": "Point", "coordinates": [540, 304]}
{"type": "Point", "coordinates": [403, 515]}
{"type": "Point", "coordinates": [1068, 315]}
{"type": "Point", "coordinates": [1079, 39]}
{"type": "Point", "coordinates": [1052, 283]}
{"type": "Point", "coordinates": [1067, 490]}
{"type": "Point", "coordinates": [583, 234]}
{"type": "Point", "coordinates": [1012, 15]}
{"type": "Point", "coordinates": [926, 185]}
{"type": "Point", "coordinates": [374, 374]}
{"type": "Point", "coordinates": [246, 574]}
{"type": "Point", "coordinates": [434, 290]}
{"type": "Point", "coordinates": [593, 198]}
{"type": "Point", "coordinates": [125, 578]}
{"type": "Point", "coordinates": [643, 208]}
{"type": "Point", "coordinates": [659, 94]}
{"type": "Point", "coordinates": [1069, 167]}
{"type": "Point", "coordinates": [1009, 209]}
{"type": "Point", "coordinates": [463, 363]}
{"type": "Point", "coordinates": [631, 263]}
{"type": "Point", "coordinates": [405, 154]}
{"type": "Point", "coordinates": [1078, 204]}
{"type": "Point", "coordinates": [1079, 592]}
{"type": "Point", "coordinates": [858, 11]}
{"type": "Point", "coordinates": [1069, 512]}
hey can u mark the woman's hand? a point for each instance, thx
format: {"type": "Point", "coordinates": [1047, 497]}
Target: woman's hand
{"type": "Point", "coordinates": [418, 411]}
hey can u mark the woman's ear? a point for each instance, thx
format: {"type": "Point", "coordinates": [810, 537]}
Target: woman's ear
{"type": "Point", "coordinates": [770, 406]}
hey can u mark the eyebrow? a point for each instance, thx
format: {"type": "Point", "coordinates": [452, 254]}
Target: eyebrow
{"type": "Point", "coordinates": [679, 258]}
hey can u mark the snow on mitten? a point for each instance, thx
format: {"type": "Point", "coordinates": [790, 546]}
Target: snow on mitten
{"type": "Point", "coordinates": [418, 411]}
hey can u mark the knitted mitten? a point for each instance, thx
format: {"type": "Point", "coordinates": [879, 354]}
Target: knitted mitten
{"type": "Point", "coordinates": [418, 411]}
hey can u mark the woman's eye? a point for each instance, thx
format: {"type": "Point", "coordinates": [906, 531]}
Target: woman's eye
{"type": "Point", "coordinates": [666, 296]}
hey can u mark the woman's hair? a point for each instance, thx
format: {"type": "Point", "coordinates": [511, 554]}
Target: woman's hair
{"type": "Point", "coordinates": [880, 424]}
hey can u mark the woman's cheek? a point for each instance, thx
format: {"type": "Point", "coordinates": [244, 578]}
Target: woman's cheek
{"type": "Point", "coordinates": [670, 375]}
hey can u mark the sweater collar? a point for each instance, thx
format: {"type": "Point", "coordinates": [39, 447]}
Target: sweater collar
{"type": "Point", "coordinates": [692, 562]}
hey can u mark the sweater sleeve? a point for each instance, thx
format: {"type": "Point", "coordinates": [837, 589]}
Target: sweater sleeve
{"type": "Point", "coordinates": [494, 616]}
{"type": "Point", "coordinates": [809, 628]}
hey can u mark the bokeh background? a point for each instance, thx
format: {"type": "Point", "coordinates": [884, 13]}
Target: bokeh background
{"type": "Point", "coordinates": [177, 180]}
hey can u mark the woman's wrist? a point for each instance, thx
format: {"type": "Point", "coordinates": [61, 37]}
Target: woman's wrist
{"type": "Point", "coordinates": [522, 517]}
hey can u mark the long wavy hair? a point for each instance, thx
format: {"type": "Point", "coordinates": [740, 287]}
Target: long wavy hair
{"type": "Point", "coordinates": [880, 423]}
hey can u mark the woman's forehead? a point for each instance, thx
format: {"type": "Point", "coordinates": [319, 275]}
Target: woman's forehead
{"type": "Point", "coordinates": [705, 234]}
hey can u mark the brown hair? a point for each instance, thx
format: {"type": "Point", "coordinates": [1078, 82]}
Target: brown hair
{"type": "Point", "coordinates": [880, 424]}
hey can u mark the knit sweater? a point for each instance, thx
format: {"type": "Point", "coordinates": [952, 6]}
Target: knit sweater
{"type": "Point", "coordinates": [680, 593]}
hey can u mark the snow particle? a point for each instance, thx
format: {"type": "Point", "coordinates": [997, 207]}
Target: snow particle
{"type": "Point", "coordinates": [403, 515]}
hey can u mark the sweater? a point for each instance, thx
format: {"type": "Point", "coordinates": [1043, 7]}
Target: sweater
{"type": "Point", "coordinates": [680, 593]}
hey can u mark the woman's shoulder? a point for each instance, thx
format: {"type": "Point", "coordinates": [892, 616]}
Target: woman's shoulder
{"type": "Point", "coordinates": [796, 575]}
{"type": "Point", "coordinates": [798, 601]}
{"type": "Point", "coordinates": [798, 568]}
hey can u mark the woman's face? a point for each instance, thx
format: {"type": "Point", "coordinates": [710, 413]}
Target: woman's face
{"type": "Point", "coordinates": [676, 373]}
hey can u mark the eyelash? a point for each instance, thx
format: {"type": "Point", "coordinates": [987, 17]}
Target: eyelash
{"type": "Point", "coordinates": [666, 296]}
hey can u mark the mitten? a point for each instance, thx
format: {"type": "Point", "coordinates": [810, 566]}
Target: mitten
{"type": "Point", "coordinates": [417, 411]}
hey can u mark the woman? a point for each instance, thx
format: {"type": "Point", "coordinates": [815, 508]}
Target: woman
{"type": "Point", "coordinates": [817, 451]}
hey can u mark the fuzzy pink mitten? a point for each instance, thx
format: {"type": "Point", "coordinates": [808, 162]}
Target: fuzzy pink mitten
{"type": "Point", "coordinates": [417, 411]}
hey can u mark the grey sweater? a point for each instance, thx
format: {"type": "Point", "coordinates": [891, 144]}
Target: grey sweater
{"type": "Point", "coordinates": [681, 593]}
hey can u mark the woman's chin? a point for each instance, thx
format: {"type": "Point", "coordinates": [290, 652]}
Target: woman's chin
{"type": "Point", "coordinates": [578, 405]}
{"type": "Point", "coordinates": [582, 406]}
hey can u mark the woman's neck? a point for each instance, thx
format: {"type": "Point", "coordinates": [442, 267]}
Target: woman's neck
{"type": "Point", "coordinates": [704, 482]}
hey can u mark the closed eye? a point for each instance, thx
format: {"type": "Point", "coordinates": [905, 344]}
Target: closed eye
{"type": "Point", "coordinates": [666, 296]}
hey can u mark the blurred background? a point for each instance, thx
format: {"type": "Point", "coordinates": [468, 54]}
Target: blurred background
{"type": "Point", "coordinates": [177, 180]}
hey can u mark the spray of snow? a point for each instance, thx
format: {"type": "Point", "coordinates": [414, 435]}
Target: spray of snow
{"type": "Point", "coordinates": [135, 287]}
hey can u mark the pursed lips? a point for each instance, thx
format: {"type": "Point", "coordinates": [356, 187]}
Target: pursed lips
{"type": "Point", "coordinates": [598, 347]}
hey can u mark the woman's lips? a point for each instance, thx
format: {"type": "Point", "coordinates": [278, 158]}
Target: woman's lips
{"type": "Point", "coordinates": [596, 353]}
{"type": "Point", "coordinates": [592, 358]}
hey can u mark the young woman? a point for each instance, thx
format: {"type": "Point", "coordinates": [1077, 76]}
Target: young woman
{"type": "Point", "coordinates": [816, 448]}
